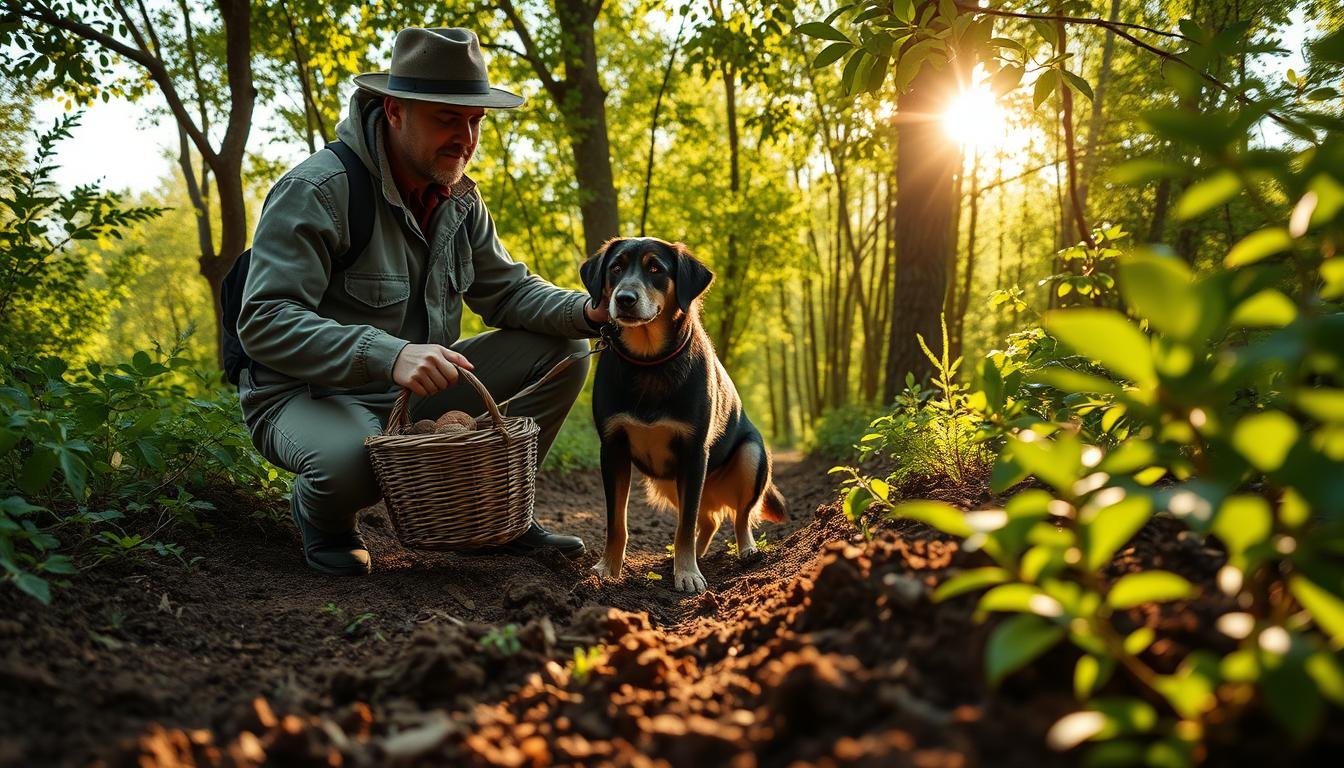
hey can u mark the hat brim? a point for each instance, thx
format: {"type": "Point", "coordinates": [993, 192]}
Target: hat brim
{"type": "Point", "coordinates": [497, 98]}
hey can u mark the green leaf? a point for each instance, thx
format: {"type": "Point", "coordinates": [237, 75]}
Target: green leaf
{"type": "Point", "coordinates": [76, 473]}
{"type": "Point", "coordinates": [967, 581]}
{"type": "Point", "coordinates": [1189, 695]}
{"type": "Point", "coordinates": [1267, 309]}
{"type": "Point", "coordinates": [856, 501]}
{"type": "Point", "coordinates": [1327, 609]}
{"type": "Point", "coordinates": [1016, 642]}
{"type": "Point", "coordinates": [1055, 462]}
{"type": "Point", "coordinates": [831, 54]}
{"type": "Point", "coordinates": [1148, 587]}
{"type": "Point", "coordinates": [1207, 193]}
{"type": "Point", "coordinates": [1078, 84]}
{"type": "Point", "coordinates": [1144, 170]}
{"type": "Point", "coordinates": [1243, 522]}
{"type": "Point", "coordinates": [1265, 438]}
{"type": "Point", "coordinates": [37, 470]}
{"type": "Point", "coordinates": [822, 30]}
{"type": "Point", "coordinates": [1107, 337]}
{"type": "Point", "coordinates": [1090, 674]}
{"type": "Point", "coordinates": [937, 514]}
{"type": "Point", "coordinates": [1139, 640]}
{"type": "Point", "coordinates": [880, 488]}
{"type": "Point", "coordinates": [1106, 530]}
{"type": "Point", "coordinates": [1161, 289]}
{"type": "Point", "coordinates": [1019, 598]}
{"type": "Point", "coordinates": [1330, 47]}
{"type": "Point", "coordinates": [1324, 404]}
{"type": "Point", "coordinates": [34, 585]}
{"type": "Point", "coordinates": [1258, 245]}
{"type": "Point", "coordinates": [903, 10]}
{"type": "Point", "coordinates": [1045, 85]}
{"type": "Point", "coordinates": [1325, 672]}
{"type": "Point", "coordinates": [1129, 456]}
{"type": "Point", "coordinates": [1069, 380]}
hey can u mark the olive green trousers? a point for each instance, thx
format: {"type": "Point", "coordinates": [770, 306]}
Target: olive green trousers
{"type": "Point", "coordinates": [321, 438]}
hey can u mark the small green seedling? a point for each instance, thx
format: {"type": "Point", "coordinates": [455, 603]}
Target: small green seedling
{"type": "Point", "coordinates": [503, 641]}
{"type": "Point", "coordinates": [585, 661]}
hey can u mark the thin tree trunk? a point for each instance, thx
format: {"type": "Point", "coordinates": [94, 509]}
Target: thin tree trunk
{"type": "Point", "coordinates": [653, 123]}
{"type": "Point", "coordinates": [958, 321]}
{"type": "Point", "coordinates": [926, 164]}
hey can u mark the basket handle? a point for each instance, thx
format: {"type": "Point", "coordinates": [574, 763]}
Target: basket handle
{"type": "Point", "coordinates": [399, 421]}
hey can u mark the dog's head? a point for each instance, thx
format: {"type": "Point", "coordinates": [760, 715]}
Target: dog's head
{"type": "Point", "coordinates": [637, 279]}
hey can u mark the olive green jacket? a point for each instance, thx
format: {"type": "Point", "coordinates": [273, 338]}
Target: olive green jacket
{"type": "Point", "coordinates": [344, 331]}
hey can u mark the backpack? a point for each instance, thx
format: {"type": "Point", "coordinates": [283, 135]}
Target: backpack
{"type": "Point", "coordinates": [360, 215]}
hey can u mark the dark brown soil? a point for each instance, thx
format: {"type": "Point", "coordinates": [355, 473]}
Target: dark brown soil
{"type": "Point", "coordinates": [825, 651]}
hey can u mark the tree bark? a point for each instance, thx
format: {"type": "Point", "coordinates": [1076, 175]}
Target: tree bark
{"type": "Point", "coordinates": [926, 166]}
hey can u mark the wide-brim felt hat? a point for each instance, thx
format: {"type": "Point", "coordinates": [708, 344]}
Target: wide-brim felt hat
{"type": "Point", "coordinates": [442, 65]}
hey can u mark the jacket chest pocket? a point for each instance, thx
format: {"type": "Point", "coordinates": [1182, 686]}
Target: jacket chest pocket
{"type": "Point", "coordinates": [461, 270]}
{"type": "Point", "coordinates": [378, 290]}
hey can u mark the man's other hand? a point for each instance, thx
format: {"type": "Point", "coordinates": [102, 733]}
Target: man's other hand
{"type": "Point", "coordinates": [596, 315]}
{"type": "Point", "coordinates": [427, 368]}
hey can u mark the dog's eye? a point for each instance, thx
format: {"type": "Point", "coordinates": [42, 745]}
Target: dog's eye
{"type": "Point", "coordinates": [654, 268]}
{"type": "Point", "coordinates": [616, 269]}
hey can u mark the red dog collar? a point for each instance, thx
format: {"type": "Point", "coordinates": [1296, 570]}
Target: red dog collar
{"type": "Point", "coordinates": [614, 347]}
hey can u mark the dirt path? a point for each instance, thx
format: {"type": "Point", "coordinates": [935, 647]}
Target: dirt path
{"type": "Point", "coordinates": [825, 652]}
{"type": "Point", "coordinates": [149, 642]}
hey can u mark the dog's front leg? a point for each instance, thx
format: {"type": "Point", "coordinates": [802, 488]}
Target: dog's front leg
{"type": "Point", "coordinates": [616, 484]}
{"type": "Point", "coordinates": [690, 487]}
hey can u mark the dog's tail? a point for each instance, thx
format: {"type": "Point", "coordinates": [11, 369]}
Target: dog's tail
{"type": "Point", "coordinates": [773, 506]}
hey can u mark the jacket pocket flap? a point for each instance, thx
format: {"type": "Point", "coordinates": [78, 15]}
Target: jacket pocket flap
{"type": "Point", "coordinates": [378, 290]}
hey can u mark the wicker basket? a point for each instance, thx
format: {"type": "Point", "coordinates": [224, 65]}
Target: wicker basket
{"type": "Point", "coordinates": [462, 490]}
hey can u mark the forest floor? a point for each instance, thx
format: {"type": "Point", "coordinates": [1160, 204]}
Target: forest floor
{"type": "Point", "coordinates": [825, 651]}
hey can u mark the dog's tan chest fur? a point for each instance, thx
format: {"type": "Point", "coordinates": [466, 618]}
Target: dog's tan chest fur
{"type": "Point", "coordinates": [650, 441]}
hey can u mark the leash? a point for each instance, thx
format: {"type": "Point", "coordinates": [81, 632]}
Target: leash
{"type": "Point", "coordinates": [556, 370]}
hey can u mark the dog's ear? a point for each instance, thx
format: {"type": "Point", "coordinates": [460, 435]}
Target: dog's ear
{"type": "Point", "coordinates": [693, 277]}
{"type": "Point", "coordinates": [593, 272]}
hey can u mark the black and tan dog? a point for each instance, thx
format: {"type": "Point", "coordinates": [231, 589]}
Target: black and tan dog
{"type": "Point", "coordinates": [662, 401]}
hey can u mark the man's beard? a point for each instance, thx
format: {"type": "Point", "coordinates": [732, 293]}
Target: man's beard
{"type": "Point", "coordinates": [431, 170]}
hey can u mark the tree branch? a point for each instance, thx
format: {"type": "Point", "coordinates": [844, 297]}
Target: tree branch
{"type": "Point", "coordinates": [157, 71]}
{"type": "Point", "coordinates": [1085, 20]}
{"type": "Point", "coordinates": [1119, 27]}
{"type": "Point", "coordinates": [533, 54]}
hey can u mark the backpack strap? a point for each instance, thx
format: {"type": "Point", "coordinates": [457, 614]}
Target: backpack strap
{"type": "Point", "coordinates": [360, 211]}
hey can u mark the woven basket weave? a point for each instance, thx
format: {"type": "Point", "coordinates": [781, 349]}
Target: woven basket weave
{"type": "Point", "coordinates": [461, 490]}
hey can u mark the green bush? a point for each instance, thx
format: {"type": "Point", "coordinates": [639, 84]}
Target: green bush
{"type": "Point", "coordinates": [84, 452]}
{"type": "Point", "coordinates": [1214, 399]}
{"type": "Point", "coordinates": [834, 436]}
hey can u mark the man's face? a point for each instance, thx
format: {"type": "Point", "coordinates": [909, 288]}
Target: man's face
{"type": "Point", "coordinates": [436, 140]}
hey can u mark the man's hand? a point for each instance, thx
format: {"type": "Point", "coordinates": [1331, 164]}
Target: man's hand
{"type": "Point", "coordinates": [427, 368]}
{"type": "Point", "coordinates": [596, 315]}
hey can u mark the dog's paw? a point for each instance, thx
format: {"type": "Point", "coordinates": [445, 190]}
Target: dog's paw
{"type": "Point", "coordinates": [607, 571]}
{"type": "Point", "coordinates": [750, 555]}
{"type": "Point", "coordinates": [689, 580]}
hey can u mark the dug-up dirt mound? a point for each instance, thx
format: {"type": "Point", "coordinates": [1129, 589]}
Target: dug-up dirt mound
{"type": "Point", "coordinates": [829, 653]}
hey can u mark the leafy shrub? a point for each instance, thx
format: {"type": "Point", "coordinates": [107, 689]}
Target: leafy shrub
{"type": "Point", "coordinates": [835, 431]}
{"type": "Point", "coordinates": [49, 304]}
{"type": "Point", "coordinates": [82, 450]}
{"type": "Point", "coordinates": [1216, 400]}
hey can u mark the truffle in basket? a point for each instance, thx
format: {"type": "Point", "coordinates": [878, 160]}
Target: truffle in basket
{"type": "Point", "coordinates": [423, 427]}
{"type": "Point", "coordinates": [454, 421]}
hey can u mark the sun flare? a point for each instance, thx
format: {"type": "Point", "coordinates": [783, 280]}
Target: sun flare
{"type": "Point", "coordinates": [975, 120]}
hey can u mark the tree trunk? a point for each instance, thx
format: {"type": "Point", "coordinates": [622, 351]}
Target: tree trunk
{"type": "Point", "coordinates": [584, 105]}
{"type": "Point", "coordinates": [926, 166]}
{"type": "Point", "coordinates": [958, 321]}
{"type": "Point", "coordinates": [733, 273]}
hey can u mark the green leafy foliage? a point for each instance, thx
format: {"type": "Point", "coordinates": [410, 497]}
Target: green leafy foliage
{"type": "Point", "coordinates": [1206, 390]}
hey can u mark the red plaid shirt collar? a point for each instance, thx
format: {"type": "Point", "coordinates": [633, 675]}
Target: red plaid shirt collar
{"type": "Point", "coordinates": [422, 199]}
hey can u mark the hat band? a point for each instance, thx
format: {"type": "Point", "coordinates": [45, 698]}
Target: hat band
{"type": "Point", "coordinates": [428, 85]}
